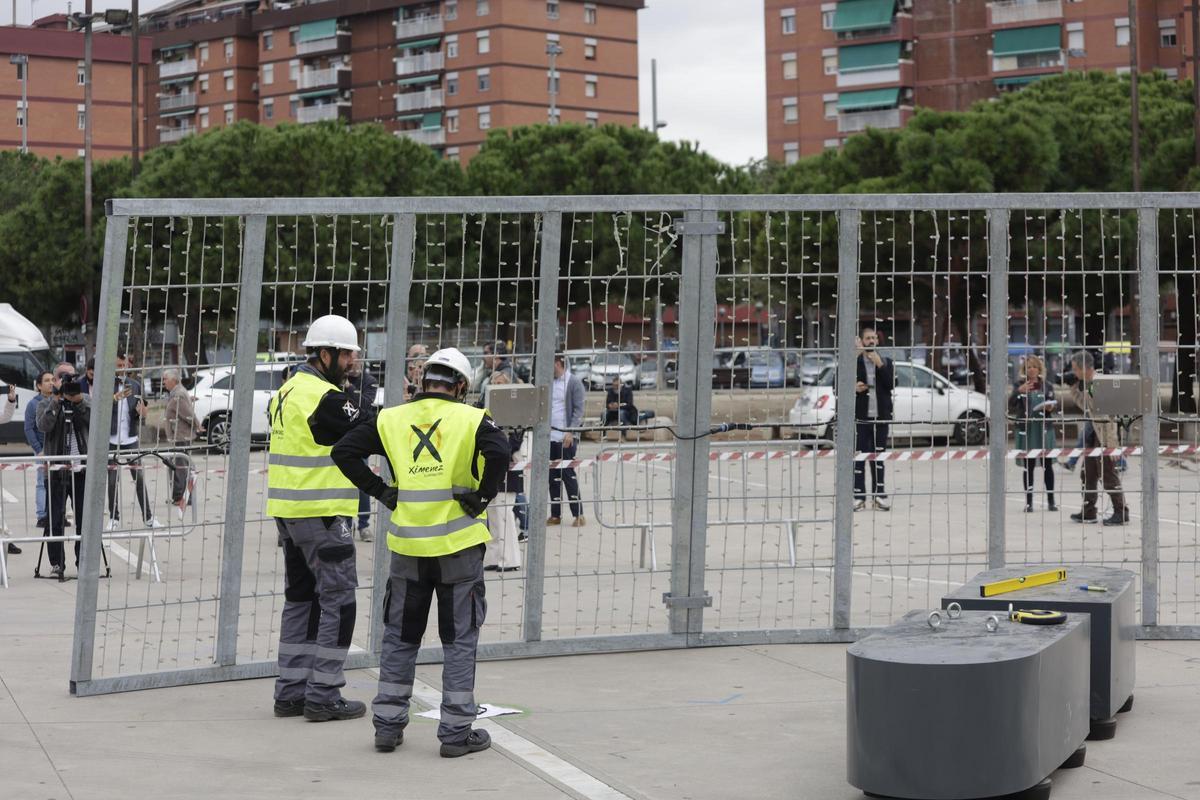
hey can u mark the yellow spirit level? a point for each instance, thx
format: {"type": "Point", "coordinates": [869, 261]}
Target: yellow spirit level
{"type": "Point", "coordinates": [1023, 582]}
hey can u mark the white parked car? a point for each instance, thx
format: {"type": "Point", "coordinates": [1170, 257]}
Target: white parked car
{"type": "Point", "coordinates": [213, 395]}
{"type": "Point", "coordinates": [925, 405]}
{"type": "Point", "coordinates": [610, 364]}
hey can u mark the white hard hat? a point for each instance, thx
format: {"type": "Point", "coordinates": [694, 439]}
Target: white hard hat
{"type": "Point", "coordinates": [332, 330]}
{"type": "Point", "coordinates": [446, 361]}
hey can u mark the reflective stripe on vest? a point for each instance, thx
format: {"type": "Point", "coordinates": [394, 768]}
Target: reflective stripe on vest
{"type": "Point", "coordinates": [302, 480]}
{"type": "Point", "coordinates": [430, 444]}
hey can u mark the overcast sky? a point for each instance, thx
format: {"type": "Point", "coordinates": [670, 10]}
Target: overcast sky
{"type": "Point", "coordinates": [711, 83]}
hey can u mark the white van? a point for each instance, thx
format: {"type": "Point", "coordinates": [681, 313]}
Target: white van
{"type": "Point", "coordinates": [24, 353]}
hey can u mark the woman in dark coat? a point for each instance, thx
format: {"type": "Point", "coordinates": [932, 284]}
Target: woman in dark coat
{"type": "Point", "coordinates": [1032, 403]}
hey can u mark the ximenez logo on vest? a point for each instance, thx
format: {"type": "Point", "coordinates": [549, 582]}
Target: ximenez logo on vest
{"type": "Point", "coordinates": [425, 445]}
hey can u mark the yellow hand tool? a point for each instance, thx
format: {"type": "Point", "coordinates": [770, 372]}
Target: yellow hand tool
{"type": "Point", "coordinates": [1035, 616]}
{"type": "Point", "coordinates": [1023, 582]}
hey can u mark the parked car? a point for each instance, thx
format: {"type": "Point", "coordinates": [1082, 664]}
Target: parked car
{"type": "Point", "coordinates": [813, 364]}
{"type": "Point", "coordinates": [767, 368]}
{"type": "Point", "coordinates": [213, 396]}
{"type": "Point", "coordinates": [728, 375]}
{"type": "Point", "coordinates": [926, 405]}
{"type": "Point", "coordinates": [648, 373]}
{"type": "Point", "coordinates": [580, 362]}
{"type": "Point", "coordinates": [610, 364]}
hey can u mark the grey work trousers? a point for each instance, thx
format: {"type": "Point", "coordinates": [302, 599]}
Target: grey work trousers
{"type": "Point", "coordinates": [457, 579]}
{"type": "Point", "coordinates": [318, 609]}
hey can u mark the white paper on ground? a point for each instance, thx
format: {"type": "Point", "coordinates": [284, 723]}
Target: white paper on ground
{"type": "Point", "coordinates": [485, 710]}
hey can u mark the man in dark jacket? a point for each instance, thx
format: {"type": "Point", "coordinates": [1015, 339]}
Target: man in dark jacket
{"type": "Point", "coordinates": [64, 418]}
{"type": "Point", "coordinates": [129, 409]}
{"type": "Point", "coordinates": [362, 388]}
{"type": "Point", "coordinates": [874, 385]}
{"type": "Point", "coordinates": [618, 405]}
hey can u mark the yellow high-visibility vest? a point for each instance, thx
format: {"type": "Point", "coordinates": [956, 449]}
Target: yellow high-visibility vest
{"type": "Point", "coordinates": [302, 480]}
{"type": "Point", "coordinates": [430, 444]}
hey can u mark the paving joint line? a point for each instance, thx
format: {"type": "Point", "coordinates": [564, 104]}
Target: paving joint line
{"type": "Point", "coordinates": [41, 745]}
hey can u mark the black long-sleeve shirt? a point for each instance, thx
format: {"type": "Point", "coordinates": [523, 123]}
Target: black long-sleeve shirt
{"type": "Point", "coordinates": [351, 451]}
{"type": "Point", "coordinates": [334, 415]}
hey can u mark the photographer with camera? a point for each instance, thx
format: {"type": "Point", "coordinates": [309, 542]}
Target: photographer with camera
{"type": "Point", "coordinates": [8, 402]}
{"type": "Point", "coordinates": [129, 409]}
{"type": "Point", "coordinates": [64, 418]}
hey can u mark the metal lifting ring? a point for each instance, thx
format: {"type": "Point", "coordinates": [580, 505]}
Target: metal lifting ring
{"type": "Point", "coordinates": [992, 623]}
{"type": "Point", "coordinates": [954, 611]}
{"type": "Point", "coordinates": [934, 620]}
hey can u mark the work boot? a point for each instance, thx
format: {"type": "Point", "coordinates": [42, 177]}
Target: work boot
{"type": "Point", "coordinates": [1050, 502]}
{"type": "Point", "coordinates": [476, 740]}
{"type": "Point", "coordinates": [338, 709]}
{"type": "Point", "coordinates": [289, 708]}
{"type": "Point", "coordinates": [1081, 518]}
{"type": "Point", "coordinates": [1116, 519]}
{"type": "Point", "coordinates": [554, 521]}
{"type": "Point", "coordinates": [388, 742]}
{"type": "Point", "coordinates": [364, 534]}
{"type": "Point", "coordinates": [13, 550]}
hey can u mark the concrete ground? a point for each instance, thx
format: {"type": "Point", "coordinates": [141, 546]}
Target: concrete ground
{"type": "Point", "coordinates": [763, 722]}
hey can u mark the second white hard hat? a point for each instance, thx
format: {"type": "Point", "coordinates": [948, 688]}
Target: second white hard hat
{"type": "Point", "coordinates": [451, 359]}
{"type": "Point", "coordinates": [332, 330]}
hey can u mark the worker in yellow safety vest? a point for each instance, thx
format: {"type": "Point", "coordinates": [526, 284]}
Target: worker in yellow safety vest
{"type": "Point", "coordinates": [313, 504]}
{"type": "Point", "coordinates": [449, 460]}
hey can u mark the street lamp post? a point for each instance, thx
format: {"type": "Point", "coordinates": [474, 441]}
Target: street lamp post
{"type": "Point", "coordinates": [654, 121]}
{"type": "Point", "coordinates": [22, 63]}
{"type": "Point", "coordinates": [554, 50]}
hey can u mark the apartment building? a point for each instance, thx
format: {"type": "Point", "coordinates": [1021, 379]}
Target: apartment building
{"type": "Point", "coordinates": [51, 115]}
{"type": "Point", "coordinates": [837, 68]}
{"type": "Point", "coordinates": [442, 72]}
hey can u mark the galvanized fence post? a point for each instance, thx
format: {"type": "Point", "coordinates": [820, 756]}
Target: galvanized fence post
{"type": "Point", "coordinates": [997, 326]}
{"type": "Point", "coordinates": [1148, 319]}
{"type": "Point", "coordinates": [236, 478]}
{"type": "Point", "coordinates": [689, 509]}
{"type": "Point", "coordinates": [108, 332]}
{"type": "Point", "coordinates": [400, 277]}
{"type": "Point", "coordinates": [545, 343]}
{"type": "Point", "coordinates": [847, 356]}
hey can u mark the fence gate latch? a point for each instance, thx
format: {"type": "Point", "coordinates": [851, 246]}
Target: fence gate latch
{"type": "Point", "coordinates": [683, 228]}
{"type": "Point", "coordinates": [687, 601]}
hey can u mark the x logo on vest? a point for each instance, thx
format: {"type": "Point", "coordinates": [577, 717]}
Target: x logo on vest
{"type": "Point", "coordinates": [426, 442]}
{"type": "Point", "coordinates": [278, 415]}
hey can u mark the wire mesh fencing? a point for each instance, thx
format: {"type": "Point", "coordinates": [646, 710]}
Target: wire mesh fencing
{"type": "Point", "coordinates": [710, 488]}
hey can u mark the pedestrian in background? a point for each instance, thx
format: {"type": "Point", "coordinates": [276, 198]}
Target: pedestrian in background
{"type": "Point", "coordinates": [64, 419]}
{"type": "Point", "coordinates": [1098, 431]}
{"type": "Point", "coordinates": [413, 367]}
{"type": "Point", "coordinates": [179, 428]}
{"type": "Point", "coordinates": [618, 405]}
{"type": "Point", "coordinates": [1033, 402]}
{"type": "Point", "coordinates": [8, 407]}
{"type": "Point", "coordinates": [362, 388]}
{"type": "Point", "coordinates": [129, 409]}
{"type": "Point", "coordinates": [874, 387]}
{"type": "Point", "coordinates": [503, 552]}
{"type": "Point", "coordinates": [566, 411]}
{"type": "Point", "coordinates": [37, 442]}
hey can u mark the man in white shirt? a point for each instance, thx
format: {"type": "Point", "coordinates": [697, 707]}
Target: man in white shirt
{"type": "Point", "coordinates": [566, 411]}
{"type": "Point", "coordinates": [128, 411]}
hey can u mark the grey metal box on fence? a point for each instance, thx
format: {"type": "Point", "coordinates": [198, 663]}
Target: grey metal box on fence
{"type": "Point", "coordinates": [1123, 395]}
{"type": "Point", "coordinates": [518, 405]}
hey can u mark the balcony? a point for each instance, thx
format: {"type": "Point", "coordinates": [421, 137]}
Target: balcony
{"type": "Point", "coordinates": [434, 137]}
{"type": "Point", "coordinates": [419, 26]}
{"type": "Point", "coordinates": [855, 121]}
{"type": "Point", "coordinates": [1008, 12]}
{"type": "Point", "coordinates": [323, 113]}
{"type": "Point", "coordinates": [415, 101]}
{"type": "Point", "coordinates": [901, 27]}
{"type": "Point", "coordinates": [173, 69]}
{"type": "Point", "coordinates": [168, 135]}
{"type": "Point", "coordinates": [175, 102]}
{"type": "Point", "coordinates": [338, 43]}
{"type": "Point", "coordinates": [426, 62]}
{"type": "Point", "coordinates": [321, 78]}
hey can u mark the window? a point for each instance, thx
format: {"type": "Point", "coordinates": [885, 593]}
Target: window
{"type": "Point", "coordinates": [913, 378]}
{"type": "Point", "coordinates": [224, 383]}
{"type": "Point", "coordinates": [789, 66]}
{"type": "Point", "coordinates": [483, 42]}
{"type": "Point", "coordinates": [203, 52]}
{"type": "Point", "coordinates": [827, 15]}
{"type": "Point", "coordinates": [268, 109]}
{"type": "Point", "coordinates": [1166, 33]}
{"type": "Point", "coordinates": [483, 79]}
{"type": "Point", "coordinates": [1122, 28]}
{"type": "Point", "coordinates": [451, 9]}
{"type": "Point", "coordinates": [268, 380]}
{"type": "Point", "coordinates": [593, 119]}
{"type": "Point", "coordinates": [229, 49]}
{"type": "Point", "coordinates": [80, 119]}
{"type": "Point", "coordinates": [204, 85]}
{"type": "Point", "coordinates": [552, 9]}
{"type": "Point", "coordinates": [452, 154]}
{"type": "Point", "coordinates": [482, 8]}
{"type": "Point", "coordinates": [589, 49]}
{"type": "Point", "coordinates": [268, 74]}
{"type": "Point", "coordinates": [452, 121]}
{"type": "Point", "coordinates": [292, 36]}
{"type": "Point", "coordinates": [591, 86]}
{"type": "Point", "coordinates": [831, 108]}
{"type": "Point", "coordinates": [831, 144]}
{"type": "Point", "coordinates": [790, 110]}
{"type": "Point", "coordinates": [451, 83]}
{"type": "Point", "coordinates": [204, 118]}
{"type": "Point", "coordinates": [229, 82]}
{"type": "Point", "coordinates": [1075, 37]}
{"type": "Point", "coordinates": [228, 116]}
{"type": "Point", "coordinates": [589, 13]}
{"type": "Point", "coordinates": [294, 70]}
{"type": "Point", "coordinates": [485, 117]}
{"type": "Point", "coordinates": [829, 63]}
{"type": "Point", "coordinates": [268, 40]}
{"type": "Point", "coordinates": [1172, 73]}
{"type": "Point", "coordinates": [452, 46]}
{"type": "Point", "coordinates": [791, 152]}
{"type": "Point", "coordinates": [294, 107]}
{"type": "Point", "coordinates": [787, 19]}
{"type": "Point", "coordinates": [80, 74]}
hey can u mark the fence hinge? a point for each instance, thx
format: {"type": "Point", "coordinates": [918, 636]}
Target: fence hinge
{"type": "Point", "coordinates": [683, 228]}
{"type": "Point", "coordinates": [688, 601]}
